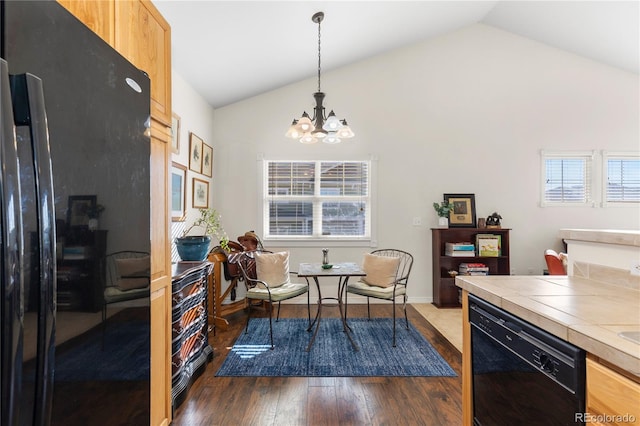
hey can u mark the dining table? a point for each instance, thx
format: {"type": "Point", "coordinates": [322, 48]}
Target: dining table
{"type": "Point", "coordinates": [342, 271]}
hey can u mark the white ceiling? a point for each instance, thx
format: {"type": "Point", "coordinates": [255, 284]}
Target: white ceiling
{"type": "Point", "coordinates": [232, 50]}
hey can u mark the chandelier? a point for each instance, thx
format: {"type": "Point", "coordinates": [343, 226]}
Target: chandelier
{"type": "Point", "coordinates": [327, 129]}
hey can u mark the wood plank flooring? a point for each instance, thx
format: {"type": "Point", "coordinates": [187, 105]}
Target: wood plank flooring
{"type": "Point", "coordinates": [317, 401]}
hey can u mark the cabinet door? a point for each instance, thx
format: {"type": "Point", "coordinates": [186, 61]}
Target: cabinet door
{"type": "Point", "coordinates": [611, 394]}
{"type": "Point", "coordinates": [144, 37]}
{"type": "Point", "coordinates": [95, 14]}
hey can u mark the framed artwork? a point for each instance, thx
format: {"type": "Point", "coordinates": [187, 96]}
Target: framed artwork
{"type": "Point", "coordinates": [195, 153]}
{"type": "Point", "coordinates": [175, 133]}
{"type": "Point", "coordinates": [200, 198]}
{"type": "Point", "coordinates": [207, 160]}
{"type": "Point", "coordinates": [464, 210]}
{"type": "Point", "coordinates": [178, 192]}
{"type": "Point", "coordinates": [79, 207]}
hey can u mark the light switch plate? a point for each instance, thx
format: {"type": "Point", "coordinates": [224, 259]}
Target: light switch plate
{"type": "Point", "coordinates": [635, 268]}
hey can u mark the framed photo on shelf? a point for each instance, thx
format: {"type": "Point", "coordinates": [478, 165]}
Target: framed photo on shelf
{"type": "Point", "coordinates": [175, 133]}
{"type": "Point", "coordinates": [178, 192]}
{"type": "Point", "coordinates": [200, 198]}
{"type": "Point", "coordinates": [207, 160]}
{"type": "Point", "coordinates": [195, 153]}
{"type": "Point", "coordinates": [78, 210]}
{"type": "Point", "coordinates": [463, 214]}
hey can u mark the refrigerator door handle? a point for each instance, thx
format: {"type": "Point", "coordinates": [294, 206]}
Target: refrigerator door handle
{"type": "Point", "coordinates": [29, 110]}
{"type": "Point", "coordinates": [11, 250]}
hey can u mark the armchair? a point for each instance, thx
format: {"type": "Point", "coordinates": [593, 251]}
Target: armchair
{"type": "Point", "coordinates": [387, 278]}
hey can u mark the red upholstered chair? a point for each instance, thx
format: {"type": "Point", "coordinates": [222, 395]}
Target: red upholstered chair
{"type": "Point", "coordinates": [555, 266]}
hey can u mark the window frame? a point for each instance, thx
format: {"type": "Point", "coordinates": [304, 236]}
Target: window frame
{"type": "Point", "coordinates": [588, 156]}
{"type": "Point", "coordinates": [316, 199]}
{"type": "Point", "coordinates": [615, 155]}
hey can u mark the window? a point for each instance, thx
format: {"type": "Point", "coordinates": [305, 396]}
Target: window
{"type": "Point", "coordinates": [567, 178]}
{"type": "Point", "coordinates": [622, 177]}
{"type": "Point", "coordinates": [317, 200]}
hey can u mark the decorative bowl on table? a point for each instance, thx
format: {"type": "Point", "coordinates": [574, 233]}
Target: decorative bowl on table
{"type": "Point", "coordinates": [327, 266]}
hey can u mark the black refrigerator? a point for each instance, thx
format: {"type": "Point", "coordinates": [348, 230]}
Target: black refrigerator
{"type": "Point", "coordinates": [74, 188]}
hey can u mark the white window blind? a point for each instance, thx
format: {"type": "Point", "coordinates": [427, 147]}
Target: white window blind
{"type": "Point", "coordinates": [622, 178]}
{"type": "Point", "coordinates": [567, 178]}
{"type": "Point", "coordinates": [317, 199]}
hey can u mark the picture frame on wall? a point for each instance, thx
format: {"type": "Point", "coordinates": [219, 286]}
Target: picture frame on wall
{"type": "Point", "coordinates": [200, 196]}
{"type": "Point", "coordinates": [195, 153]}
{"type": "Point", "coordinates": [463, 214]}
{"type": "Point", "coordinates": [207, 160]}
{"type": "Point", "coordinates": [178, 192]}
{"type": "Point", "coordinates": [175, 133]}
{"type": "Point", "coordinates": [78, 209]}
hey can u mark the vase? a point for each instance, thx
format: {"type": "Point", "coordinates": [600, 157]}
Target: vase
{"type": "Point", "coordinates": [443, 222]}
{"type": "Point", "coordinates": [92, 224]}
{"type": "Point", "coordinates": [193, 248]}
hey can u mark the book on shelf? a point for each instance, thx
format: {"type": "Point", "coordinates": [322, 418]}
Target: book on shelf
{"type": "Point", "coordinates": [473, 269]}
{"type": "Point", "coordinates": [463, 249]}
{"type": "Point", "coordinates": [489, 245]}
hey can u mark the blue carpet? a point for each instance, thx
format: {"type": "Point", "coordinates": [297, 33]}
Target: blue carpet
{"type": "Point", "coordinates": [332, 354]}
{"type": "Point", "coordinates": [125, 355]}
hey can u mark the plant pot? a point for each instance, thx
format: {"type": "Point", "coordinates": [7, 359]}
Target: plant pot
{"type": "Point", "coordinates": [193, 248]}
{"type": "Point", "coordinates": [443, 222]}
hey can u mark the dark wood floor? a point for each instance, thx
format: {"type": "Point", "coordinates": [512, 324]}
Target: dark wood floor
{"type": "Point", "coordinates": [323, 401]}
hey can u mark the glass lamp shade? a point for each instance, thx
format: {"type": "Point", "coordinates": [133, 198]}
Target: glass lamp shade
{"type": "Point", "coordinates": [331, 138]}
{"type": "Point", "coordinates": [293, 132]}
{"type": "Point", "coordinates": [304, 124]}
{"type": "Point", "coordinates": [318, 133]}
{"type": "Point", "coordinates": [308, 139]}
{"type": "Point", "coordinates": [332, 124]}
{"type": "Point", "coordinates": [345, 131]}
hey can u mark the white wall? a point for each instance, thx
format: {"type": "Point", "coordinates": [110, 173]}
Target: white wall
{"type": "Point", "coordinates": [467, 112]}
{"type": "Point", "coordinates": [196, 116]}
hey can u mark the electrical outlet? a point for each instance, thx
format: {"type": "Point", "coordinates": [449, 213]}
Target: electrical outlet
{"type": "Point", "coordinates": [417, 221]}
{"type": "Point", "coordinates": [513, 271]}
{"type": "Point", "coordinates": [635, 268]}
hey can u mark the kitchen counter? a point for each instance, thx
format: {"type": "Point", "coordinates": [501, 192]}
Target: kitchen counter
{"type": "Point", "coordinates": [587, 313]}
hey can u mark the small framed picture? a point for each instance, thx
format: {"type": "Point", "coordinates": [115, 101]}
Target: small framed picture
{"type": "Point", "coordinates": [207, 160]}
{"type": "Point", "coordinates": [79, 208]}
{"type": "Point", "coordinates": [463, 214]}
{"type": "Point", "coordinates": [178, 192]}
{"type": "Point", "coordinates": [195, 153]}
{"type": "Point", "coordinates": [200, 198]}
{"type": "Point", "coordinates": [175, 133]}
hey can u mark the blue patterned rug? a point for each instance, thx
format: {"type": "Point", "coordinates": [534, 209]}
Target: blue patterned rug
{"type": "Point", "coordinates": [332, 354]}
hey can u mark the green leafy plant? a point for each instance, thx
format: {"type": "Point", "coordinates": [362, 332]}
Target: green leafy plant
{"type": "Point", "coordinates": [210, 221]}
{"type": "Point", "coordinates": [93, 212]}
{"type": "Point", "coordinates": [443, 208]}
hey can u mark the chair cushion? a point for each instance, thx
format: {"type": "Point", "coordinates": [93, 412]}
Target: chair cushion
{"type": "Point", "coordinates": [283, 292]}
{"type": "Point", "coordinates": [365, 289]}
{"type": "Point", "coordinates": [133, 272]}
{"type": "Point", "coordinates": [273, 268]}
{"type": "Point", "coordinates": [381, 270]}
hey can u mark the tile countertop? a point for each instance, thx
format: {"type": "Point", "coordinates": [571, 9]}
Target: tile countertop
{"type": "Point", "coordinates": [584, 312]}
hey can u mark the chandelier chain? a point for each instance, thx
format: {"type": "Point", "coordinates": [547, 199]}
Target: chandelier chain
{"type": "Point", "coordinates": [319, 57]}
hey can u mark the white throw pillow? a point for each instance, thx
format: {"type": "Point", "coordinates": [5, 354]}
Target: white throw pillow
{"type": "Point", "coordinates": [381, 270]}
{"type": "Point", "coordinates": [273, 268]}
{"type": "Point", "coordinates": [133, 272]}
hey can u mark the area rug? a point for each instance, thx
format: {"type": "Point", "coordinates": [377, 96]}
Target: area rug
{"type": "Point", "coordinates": [124, 356]}
{"type": "Point", "coordinates": [332, 354]}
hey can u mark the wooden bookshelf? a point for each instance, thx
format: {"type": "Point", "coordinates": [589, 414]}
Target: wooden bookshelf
{"type": "Point", "coordinates": [445, 292]}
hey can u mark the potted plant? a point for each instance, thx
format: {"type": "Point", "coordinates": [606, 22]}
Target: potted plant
{"type": "Point", "coordinates": [443, 209]}
{"type": "Point", "coordinates": [93, 213]}
{"type": "Point", "coordinates": [196, 247]}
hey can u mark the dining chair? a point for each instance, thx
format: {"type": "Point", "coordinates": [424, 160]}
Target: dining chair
{"type": "Point", "coordinates": [555, 263]}
{"type": "Point", "coordinates": [387, 278]}
{"type": "Point", "coordinates": [266, 276]}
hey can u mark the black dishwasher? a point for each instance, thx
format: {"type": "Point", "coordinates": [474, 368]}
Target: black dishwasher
{"type": "Point", "coordinates": [522, 374]}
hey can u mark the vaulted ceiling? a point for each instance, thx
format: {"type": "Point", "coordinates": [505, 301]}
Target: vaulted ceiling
{"type": "Point", "coordinates": [232, 50]}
